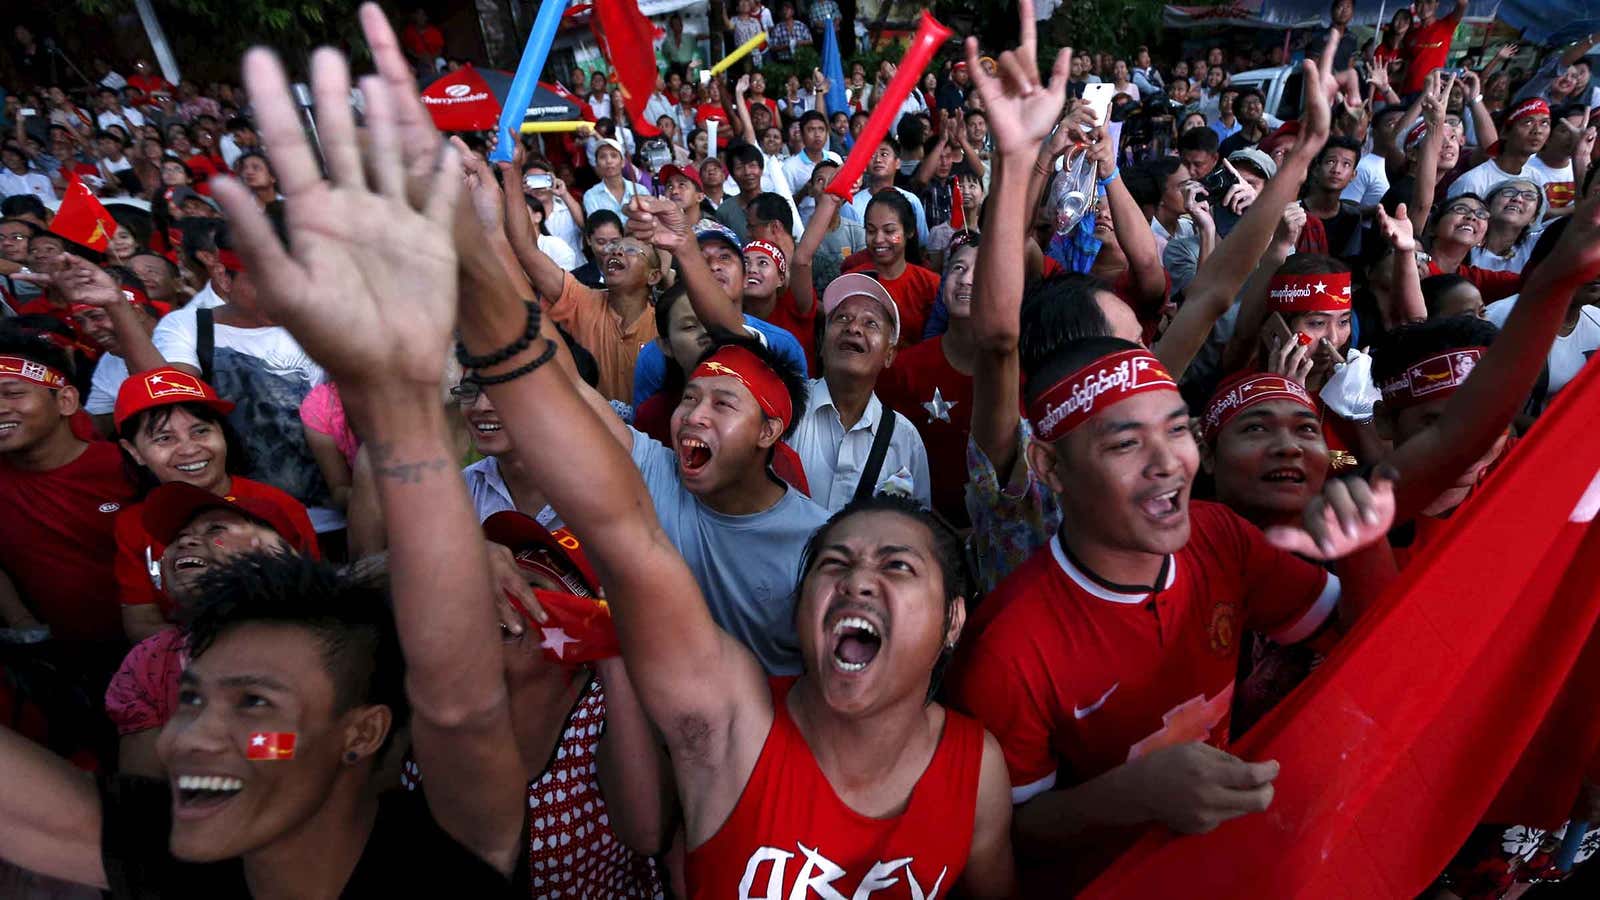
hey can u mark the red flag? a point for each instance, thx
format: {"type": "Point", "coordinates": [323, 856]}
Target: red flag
{"type": "Point", "coordinates": [627, 38]}
{"type": "Point", "coordinates": [81, 219]}
{"type": "Point", "coordinates": [462, 101]}
{"type": "Point", "coordinates": [958, 216]}
{"type": "Point", "coordinates": [579, 629]}
{"type": "Point", "coordinates": [1464, 696]}
{"type": "Point", "coordinates": [270, 745]}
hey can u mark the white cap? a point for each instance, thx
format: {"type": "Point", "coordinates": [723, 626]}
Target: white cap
{"type": "Point", "coordinates": [614, 144]}
{"type": "Point", "coordinates": [857, 284]}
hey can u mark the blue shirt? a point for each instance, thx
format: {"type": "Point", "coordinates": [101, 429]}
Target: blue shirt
{"type": "Point", "coordinates": [650, 369]}
{"type": "Point", "coordinates": [598, 197]}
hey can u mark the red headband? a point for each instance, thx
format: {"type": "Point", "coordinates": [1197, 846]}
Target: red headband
{"type": "Point", "coordinates": [1530, 107]}
{"type": "Point", "coordinates": [1241, 392]}
{"type": "Point", "coordinates": [754, 374]}
{"type": "Point", "coordinates": [1322, 292]}
{"type": "Point", "coordinates": [1432, 378]}
{"type": "Point", "coordinates": [28, 370]}
{"type": "Point", "coordinates": [771, 251]}
{"type": "Point", "coordinates": [1103, 383]}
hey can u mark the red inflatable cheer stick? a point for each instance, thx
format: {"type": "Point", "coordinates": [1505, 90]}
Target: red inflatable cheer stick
{"type": "Point", "coordinates": [930, 34]}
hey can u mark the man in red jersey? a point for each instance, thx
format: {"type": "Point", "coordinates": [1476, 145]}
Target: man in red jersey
{"type": "Point", "coordinates": [60, 495]}
{"type": "Point", "coordinates": [1427, 44]}
{"type": "Point", "coordinates": [1106, 663]}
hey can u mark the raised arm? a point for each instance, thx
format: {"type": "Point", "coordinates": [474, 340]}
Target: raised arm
{"type": "Point", "coordinates": [1022, 113]}
{"type": "Point", "coordinates": [378, 316]}
{"type": "Point", "coordinates": [1405, 297]}
{"type": "Point", "coordinates": [1477, 414]}
{"type": "Point", "coordinates": [660, 223]}
{"type": "Point", "coordinates": [81, 281]}
{"type": "Point", "coordinates": [741, 111]}
{"type": "Point", "coordinates": [1427, 168]}
{"type": "Point", "coordinates": [1253, 297]}
{"type": "Point", "coordinates": [1482, 118]}
{"type": "Point", "coordinates": [802, 281]}
{"type": "Point", "coordinates": [1223, 273]}
{"type": "Point", "coordinates": [1134, 236]}
{"type": "Point", "coordinates": [930, 159]}
{"type": "Point", "coordinates": [49, 813]}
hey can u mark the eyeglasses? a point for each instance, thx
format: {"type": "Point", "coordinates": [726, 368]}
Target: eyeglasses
{"type": "Point", "coordinates": [466, 394]}
{"type": "Point", "coordinates": [625, 247]}
{"type": "Point", "coordinates": [1529, 196]}
{"type": "Point", "coordinates": [1465, 209]}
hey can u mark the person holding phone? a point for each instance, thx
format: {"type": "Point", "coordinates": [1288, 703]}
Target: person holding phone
{"type": "Point", "coordinates": [563, 214]}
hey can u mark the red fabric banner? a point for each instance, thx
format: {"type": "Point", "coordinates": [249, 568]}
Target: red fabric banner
{"type": "Point", "coordinates": [1464, 696]}
{"type": "Point", "coordinates": [628, 40]}
{"type": "Point", "coordinates": [81, 219]}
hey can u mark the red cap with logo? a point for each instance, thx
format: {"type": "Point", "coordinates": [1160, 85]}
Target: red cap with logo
{"type": "Point", "coordinates": [557, 555]}
{"type": "Point", "coordinates": [163, 387]}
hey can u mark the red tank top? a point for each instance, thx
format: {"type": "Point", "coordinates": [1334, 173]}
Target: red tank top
{"type": "Point", "coordinates": [791, 836]}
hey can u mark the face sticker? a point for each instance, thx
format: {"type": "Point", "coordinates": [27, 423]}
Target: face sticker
{"type": "Point", "coordinates": [268, 745]}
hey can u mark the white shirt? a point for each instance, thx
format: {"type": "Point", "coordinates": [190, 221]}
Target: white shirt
{"type": "Point", "coordinates": [1481, 179]}
{"type": "Point", "coordinates": [558, 219]}
{"type": "Point", "coordinates": [490, 494]}
{"type": "Point", "coordinates": [658, 105]}
{"type": "Point", "coordinates": [1569, 352]}
{"type": "Point", "coordinates": [204, 298]}
{"type": "Point", "coordinates": [798, 168]}
{"type": "Point", "coordinates": [834, 458]}
{"type": "Point", "coordinates": [1484, 258]}
{"type": "Point", "coordinates": [35, 183]}
{"type": "Point", "coordinates": [559, 251]}
{"type": "Point", "coordinates": [109, 118]}
{"type": "Point", "coordinates": [1370, 183]}
{"type": "Point", "coordinates": [109, 373]}
{"type": "Point", "coordinates": [177, 337]}
{"type": "Point", "coordinates": [601, 106]}
{"type": "Point", "coordinates": [600, 197]}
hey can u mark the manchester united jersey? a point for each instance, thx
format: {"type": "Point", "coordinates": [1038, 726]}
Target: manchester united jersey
{"type": "Point", "coordinates": [1075, 677]}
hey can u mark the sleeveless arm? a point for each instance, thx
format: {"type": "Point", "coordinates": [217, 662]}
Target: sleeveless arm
{"type": "Point", "coordinates": [991, 866]}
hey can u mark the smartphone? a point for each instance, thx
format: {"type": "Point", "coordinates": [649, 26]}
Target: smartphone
{"type": "Point", "coordinates": [27, 111]}
{"type": "Point", "coordinates": [1098, 97]}
{"type": "Point", "coordinates": [538, 181]}
{"type": "Point", "coordinates": [1275, 332]}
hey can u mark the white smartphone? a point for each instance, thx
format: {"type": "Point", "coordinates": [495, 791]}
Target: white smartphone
{"type": "Point", "coordinates": [27, 112]}
{"type": "Point", "coordinates": [1098, 97]}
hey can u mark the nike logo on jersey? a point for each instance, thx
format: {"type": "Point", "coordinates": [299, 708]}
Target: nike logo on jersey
{"type": "Point", "coordinates": [1081, 712]}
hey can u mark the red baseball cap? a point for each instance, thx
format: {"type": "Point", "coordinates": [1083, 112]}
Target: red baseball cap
{"type": "Point", "coordinates": [173, 505]}
{"type": "Point", "coordinates": [163, 387]}
{"type": "Point", "coordinates": [557, 555]}
{"type": "Point", "coordinates": [670, 170]}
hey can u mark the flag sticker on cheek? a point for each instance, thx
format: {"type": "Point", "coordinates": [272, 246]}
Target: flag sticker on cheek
{"type": "Point", "coordinates": [270, 745]}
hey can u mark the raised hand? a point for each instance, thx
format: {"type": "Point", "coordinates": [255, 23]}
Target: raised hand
{"type": "Point", "coordinates": [487, 203]}
{"type": "Point", "coordinates": [1022, 109]}
{"type": "Point", "coordinates": [368, 281]}
{"type": "Point", "coordinates": [1507, 51]}
{"type": "Point", "coordinates": [1292, 359]}
{"type": "Point", "coordinates": [659, 222]}
{"type": "Point", "coordinates": [1290, 225]}
{"type": "Point", "coordinates": [77, 280]}
{"type": "Point", "coordinates": [1193, 787]}
{"type": "Point", "coordinates": [1240, 196]}
{"type": "Point", "coordinates": [1351, 514]}
{"type": "Point", "coordinates": [1396, 229]}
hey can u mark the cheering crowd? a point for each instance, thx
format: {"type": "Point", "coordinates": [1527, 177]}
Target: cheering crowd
{"type": "Point", "coordinates": [650, 510]}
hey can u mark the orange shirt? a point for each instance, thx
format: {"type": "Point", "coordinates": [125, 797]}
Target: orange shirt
{"type": "Point", "coordinates": [585, 314]}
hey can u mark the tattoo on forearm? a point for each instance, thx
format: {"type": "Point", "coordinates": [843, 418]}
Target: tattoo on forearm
{"type": "Point", "coordinates": [386, 466]}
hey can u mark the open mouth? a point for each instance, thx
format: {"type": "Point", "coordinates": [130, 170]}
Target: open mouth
{"type": "Point", "coordinates": [8, 427]}
{"type": "Point", "coordinates": [197, 793]}
{"type": "Point", "coordinates": [614, 264]}
{"type": "Point", "coordinates": [883, 250]}
{"type": "Point", "coordinates": [856, 643]}
{"type": "Point", "coordinates": [1285, 475]}
{"type": "Point", "coordinates": [852, 345]}
{"type": "Point", "coordinates": [1162, 506]}
{"type": "Point", "coordinates": [193, 467]}
{"type": "Point", "coordinates": [486, 427]}
{"type": "Point", "coordinates": [693, 454]}
{"type": "Point", "coordinates": [189, 564]}
{"type": "Point", "coordinates": [752, 281]}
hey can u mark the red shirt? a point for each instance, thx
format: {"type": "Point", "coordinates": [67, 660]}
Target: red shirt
{"type": "Point", "coordinates": [789, 825]}
{"type": "Point", "coordinates": [786, 315]}
{"type": "Point", "coordinates": [934, 396]}
{"type": "Point", "coordinates": [426, 42]}
{"type": "Point", "coordinates": [1071, 674]}
{"type": "Point", "coordinates": [1491, 284]}
{"type": "Point", "coordinates": [56, 541]}
{"type": "Point", "coordinates": [139, 555]}
{"type": "Point", "coordinates": [914, 292]}
{"type": "Point", "coordinates": [1425, 48]}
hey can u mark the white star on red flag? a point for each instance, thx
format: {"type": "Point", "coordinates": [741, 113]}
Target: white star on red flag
{"type": "Point", "coordinates": [556, 640]}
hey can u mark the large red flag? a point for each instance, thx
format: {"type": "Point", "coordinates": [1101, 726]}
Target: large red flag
{"type": "Point", "coordinates": [1465, 695]}
{"type": "Point", "coordinates": [628, 40]}
{"type": "Point", "coordinates": [81, 218]}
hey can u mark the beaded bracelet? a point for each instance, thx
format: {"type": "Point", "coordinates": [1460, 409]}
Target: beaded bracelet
{"type": "Point", "coordinates": [470, 362]}
{"type": "Point", "coordinates": [482, 380]}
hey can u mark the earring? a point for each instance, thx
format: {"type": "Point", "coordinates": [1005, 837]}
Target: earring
{"type": "Point", "coordinates": [350, 756]}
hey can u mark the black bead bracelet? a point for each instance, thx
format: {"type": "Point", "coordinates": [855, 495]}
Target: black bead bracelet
{"type": "Point", "coordinates": [481, 380]}
{"type": "Point", "coordinates": [470, 362]}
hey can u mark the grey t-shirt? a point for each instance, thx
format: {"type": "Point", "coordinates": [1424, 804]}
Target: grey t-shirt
{"type": "Point", "coordinates": [747, 566]}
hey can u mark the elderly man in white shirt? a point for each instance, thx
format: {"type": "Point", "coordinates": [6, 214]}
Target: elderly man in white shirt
{"type": "Point", "coordinates": [844, 421]}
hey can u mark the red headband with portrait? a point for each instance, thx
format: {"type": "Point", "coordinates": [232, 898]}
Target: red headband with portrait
{"type": "Point", "coordinates": [772, 252]}
{"type": "Point", "coordinates": [1432, 378]}
{"type": "Point", "coordinates": [1100, 385]}
{"type": "Point", "coordinates": [28, 370]}
{"type": "Point", "coordinates": [1240, 392]}
{"type": "Point", "coordinates": [750, 371]}
{"type": "Point", "coordinates": [1322, 292]}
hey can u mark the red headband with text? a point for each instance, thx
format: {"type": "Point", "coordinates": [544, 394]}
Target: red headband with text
{"type": "Point", "coordinates": [1322, 292]}
{"type": "Point", "coordinates": [1236, 395]}
{"type": "Point", "coordinates": [1531, 107]}
{"type": "Point", "coordinates": [771, 251]}
{"type": "Point", "coordinates": [1102, 384]}
{"type": "Point", "coordinates": [757, 376]}
{"type": "Point", "coordinates": [28, 370]}
{"type": "Point", "coordinates": [1432, 378]}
